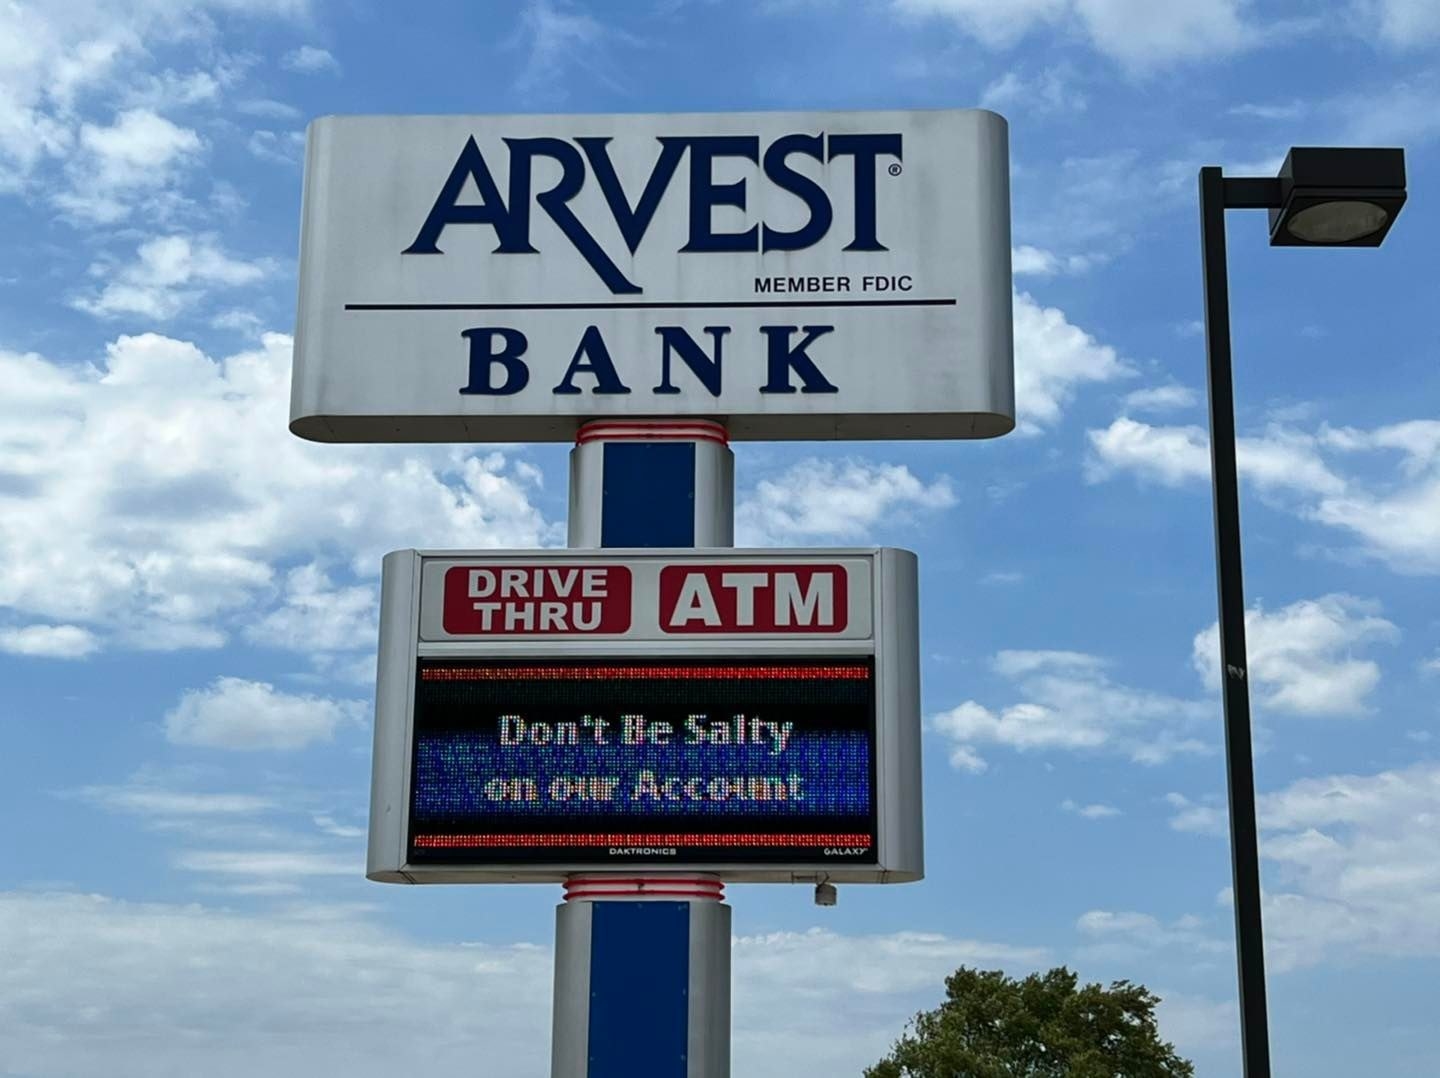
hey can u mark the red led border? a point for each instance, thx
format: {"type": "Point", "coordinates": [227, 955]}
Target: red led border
{"type": "Point", "coordinates": [683, 673]}
{"type": "Point", "coordinates": [456, 842]}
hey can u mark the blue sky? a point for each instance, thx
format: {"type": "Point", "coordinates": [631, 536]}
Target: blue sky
{"type": "Point", "coordinates": [187, 593]}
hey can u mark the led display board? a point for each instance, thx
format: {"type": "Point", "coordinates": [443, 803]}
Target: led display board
{"type": "Point", "coordinates": [750, 713]}
{"type": "Point", "coordinates": [612, 760]}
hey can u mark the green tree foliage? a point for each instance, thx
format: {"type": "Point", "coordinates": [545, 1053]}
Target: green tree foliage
{"type": "Point", "coordinates": [1046, 1026]}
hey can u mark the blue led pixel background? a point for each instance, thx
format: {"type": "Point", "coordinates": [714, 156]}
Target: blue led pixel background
{"type": "Point", "coordinates": [833, 767]}
{"type": "Point", "coordinates": [722, 760]}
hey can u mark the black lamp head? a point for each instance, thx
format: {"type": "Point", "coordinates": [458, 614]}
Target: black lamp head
{"type": "Point", "coordinates": [1337, 197]}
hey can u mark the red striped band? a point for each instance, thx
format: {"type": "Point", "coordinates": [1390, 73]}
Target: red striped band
{"type": "Point", "coordinates": [707, 888]}
{"type": "Point", "coordinates": [652, 430]}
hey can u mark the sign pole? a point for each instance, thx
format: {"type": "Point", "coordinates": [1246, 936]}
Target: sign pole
{"type": "Point", "coordinates": [642, 962]}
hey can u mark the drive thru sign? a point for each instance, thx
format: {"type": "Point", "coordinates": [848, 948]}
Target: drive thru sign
{"type": "Point", "coordinates": [754, 713]}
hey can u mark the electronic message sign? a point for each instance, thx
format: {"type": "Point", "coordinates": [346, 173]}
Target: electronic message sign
{"type": "Point", "coordinates": [804, 275]}
{"type": "Point", "coordinates": [751, 713]}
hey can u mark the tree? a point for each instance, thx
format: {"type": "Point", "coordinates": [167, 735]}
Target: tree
{"type": "Point", "coordinates": [991, 1026]}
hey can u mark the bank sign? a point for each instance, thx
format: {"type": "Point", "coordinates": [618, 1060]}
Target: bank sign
{"type": "Point", "coordinates": [795, 275]}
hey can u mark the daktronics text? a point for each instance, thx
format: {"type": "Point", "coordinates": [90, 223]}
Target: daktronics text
{"type": "Point", "coordinates": [509, 213]}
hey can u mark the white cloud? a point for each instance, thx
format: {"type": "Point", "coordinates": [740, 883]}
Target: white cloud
{"type": "Point", "coordinates": [155, 497]}
{"type": "Point", "coordinates": [1140, 930]}
{"type": "Point", "coordinates": [1283, 459]}
{"type": "Point", "coordinates": [57, 60]}
{"type": "Point", "coordinates": [827, 962]}
{"type": "Point", "coordinates": [1090, 812]}
{"type": "Point", "coordinates": [1302, 656]}
{"type": "Point", "coordinates": [557, 39]}
{"type": "Point", "coordinates": [1002, 577]}
{"type": "Point", "coordinates": [170, 274]}
{"type": "Point", "coordinates": [1292, 110]}
{"type": "Point", "coordinates": [140, 150]}
{"type": "Point", "coordinates": [326, 989]}
{"type": "Point", "coordinates": [1171, 456]}
{"type": "Point", "coordinates": [1396, 113]}
{"type": "Point", "coordinates": [1053, 359]}
{"type": "Point", "coordinates": [313, 991]}
{"type": "Point", "coordinates": [1407, 24]}
{"type": "Point", "coordinates": [1172, 397]}
{"type": "Point", "coordinates": [964, 758]}
{"type": "Point", "coordinates": [1138, 34]}
{"type": "Point", "coordinates": [1027, 261]}
{"type": "Point", "coordinates": [241, 321]}
{"type": "Point", "coordinates": [268, 109]}
{"type": "Point", "coordinates": [281, 147]}
{"type": "Point", "coordinates": [145, 799]}
{"type": "Point", "coordinates": [315, 614]}
{"type": "Point", "coordinates": [1357, 866]}
{"type": "Point", "coordinates": [1068, 703]}
{"type": "Point", "coordinates": [1127, 939]}
{"type": "Point", "coordinates": [843, 501]}
{"type": "Point", "coordinates": [1195, 1023]}
{"type": "Point", "coordinates": [858, 992]}
{"type": "Point", "coordinates": [1050, 91]}
{"type": "Point", "coordinates": [237, 714]}
{"type": "Point", "coordinates": [332, 827]}
{"type": "Point", "coordinates": [1280, 461]}
{"type": "Point", "coordinates": [1143, 35]}
{"type": "Point", "coordinates": [1396, 517]}
{"type": "Point", "coordinates": [1013, 664]}
{"type": "Point", "coordinates": [1352, 865]}
{"type": "Point", "coordinates": [283, 864]}
{"type": "Point", "coordinates": [1200, 819]}
{"type": "Point", "coordinates": [1398, 520]}
{"type": "Point", "coordinates": [135, 146]}
{"type": "Point", "coordinates": [994, 24]}
{"type": "Point", "coordinates": [173, 90]}
{"type": "Point", "coordinates": [309, 60]}
{"type": "Point", "coordinates": [49, 641]}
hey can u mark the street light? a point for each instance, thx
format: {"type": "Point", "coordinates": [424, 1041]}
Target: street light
{"type": "Point", "coordinates": [1323, 197]}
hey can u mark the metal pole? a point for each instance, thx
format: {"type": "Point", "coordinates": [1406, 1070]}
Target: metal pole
{"type": "Point", "coordinates": [642, 961]}
{"type": "Point", "coordinates": [1234, 666]}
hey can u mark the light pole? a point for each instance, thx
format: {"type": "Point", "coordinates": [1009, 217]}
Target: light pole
{"type": "Point", "coordinates": [1322, 198]}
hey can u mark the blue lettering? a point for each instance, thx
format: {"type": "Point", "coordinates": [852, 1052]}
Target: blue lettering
{"type": "Point", "coordinates": [865, 149]}
{"type": "Point", "coordinates": [706, 194]}
{"type": "Point", "coordinates": [693, 356]}
{"type": "Point", "coordinates": [484, 358]}
{"type": "Point", "coordinates": [511, 225]}
{"type": "Point", "coordinates": [510, 216]}
{"type": "Point", "coordinates": [801, 186]}
{"type": "Point", "coordinates": [556, 201]}
{"type": "Point", "coordinates": [633, 223]}
{"type": "Point", "coordinates": [592, 347]}
{"type": "Point", "coordinates": [781, 359]}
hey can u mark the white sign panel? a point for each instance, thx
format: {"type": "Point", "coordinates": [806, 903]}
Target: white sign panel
{"type": "Point", "coordinates": [796, 275]}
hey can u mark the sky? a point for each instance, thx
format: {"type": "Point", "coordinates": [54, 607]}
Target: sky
{"type": "Point", "coordinates": [188, 593]}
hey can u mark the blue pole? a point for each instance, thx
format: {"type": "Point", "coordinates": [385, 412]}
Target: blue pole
{"type": "Point", "coordinates": [642, 961]}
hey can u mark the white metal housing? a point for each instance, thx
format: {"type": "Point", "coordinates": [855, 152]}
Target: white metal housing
{"type": "Point", "coordinates": [887, 629]}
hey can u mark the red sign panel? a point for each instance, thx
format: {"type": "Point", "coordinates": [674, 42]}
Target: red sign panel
{"type": "Point", "coordinates": [535, 600]}
{"type": "Point", "coordinates": [749, 598]}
